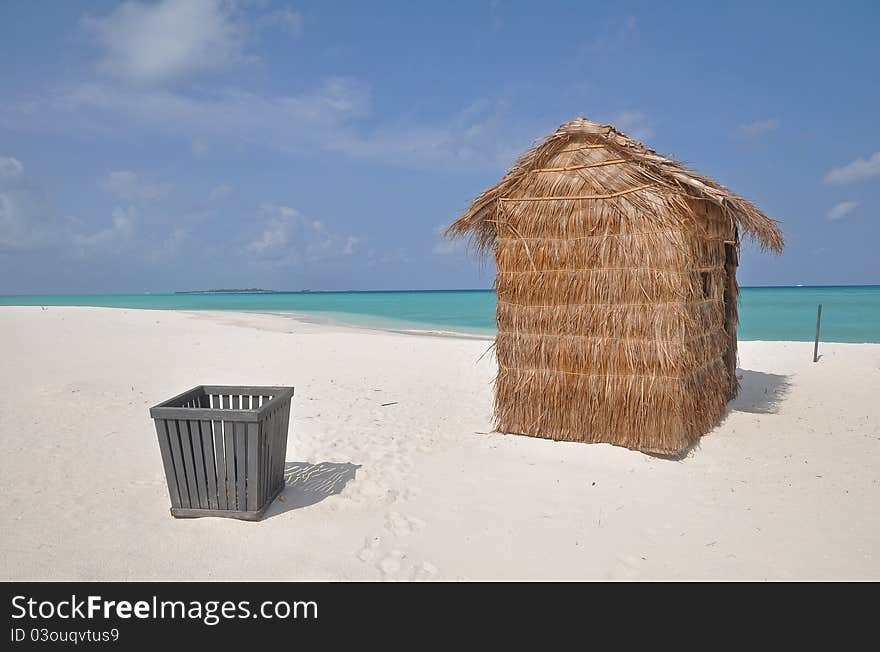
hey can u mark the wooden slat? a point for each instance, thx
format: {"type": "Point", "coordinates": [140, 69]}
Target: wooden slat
{"type": "Point", "coordinates": [273, 470]}
{"type": "Point", "coordinates": [229, 437]}
{"type": "Point", "coordinates": [226, 404]}
{"type": "Point", "coordinates": [274, 400]}
{"type": "Point", "coordinates": [210, 470]}
{"type": "Point", "coordinates": [182, 398]}
{"type": "Point", "coordinates": [285, 424]}
{"type": "Point", "coordinates": [264, 473]}
{"type": "Point", "coordinates": [200, 413]}
{"type": "Point", "coordinates": [177, 456]}
{"type": "Point", "coordinates": [270, 453]}
{"type": "Point", "coordinates": [253, 466]}
{"type": "Point", "coordinates": [241, 464]}
{"type": "Point", "coordinates": [188, 463]}
{"type": "Point", "coordinates": [168, 462]}
{"type": "Point", "coordinates": [236, 402]}
{"type": "Point", "coordinates": [199, 463]}
{"type": "Point", "coordinates": [242, 389]}
{"type": "Point", "coordinates": [220, 464]}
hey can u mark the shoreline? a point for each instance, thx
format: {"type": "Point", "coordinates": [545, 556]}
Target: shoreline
{"type": "Point", "coordinates": [313, 318]}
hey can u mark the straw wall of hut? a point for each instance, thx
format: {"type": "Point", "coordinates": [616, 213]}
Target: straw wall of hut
{"type": "Point", "coordinates": [616, 284]}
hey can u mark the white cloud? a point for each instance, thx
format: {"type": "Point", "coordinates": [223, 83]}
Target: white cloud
{"type": "Point", "coordinates": [756, 129]}
{"type": "Point", "coordinates": [287, 232]}
{"type": "Point", "coordinates": [11, 169]}
{"type": "Point", "coordinates": [288, 238]}
{"type": "Point", "coordinates": [351, 244]}
{"type": "Point", "coordinates": [331, 102]}
{"type": "Point", "coordinates": [841, 210]}
{"type": "Point", "coordinates": [858, 170]}
{"type": "Point", "coordinates": [26, 220]}
{"type": "Point", "coordinates": [154, 43]}
{"type": "Point", "coordinates": [107, 240]}
{"type": "Point", "coordinates": [127, 185]}
{"type": "Point", "coordinates": [30, 224]}
{"type": "Point", "coordinates": [323, 118]}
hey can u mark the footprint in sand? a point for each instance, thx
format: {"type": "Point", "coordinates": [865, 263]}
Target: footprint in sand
{"type": "Point", "coordinates": [396, 567]}
{"type": "Point", "coordinates": [401, 525]}
{"type": "Point", "coordinates": [426, 572]}
{"type": "Point", "coordinates": [394, 564]}
{"type": "Point", "coordinates": [370, 550]}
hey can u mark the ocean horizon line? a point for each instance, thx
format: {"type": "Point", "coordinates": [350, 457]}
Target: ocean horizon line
{"type": "Point", "coordinates": [369, 291]}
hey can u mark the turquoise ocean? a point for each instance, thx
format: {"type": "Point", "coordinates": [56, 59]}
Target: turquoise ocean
{"type": "Point", "coordinates": [849, 313]}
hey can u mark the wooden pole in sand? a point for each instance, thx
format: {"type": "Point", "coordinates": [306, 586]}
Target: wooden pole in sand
{"type": "Point", "coordinates": [816, 345]}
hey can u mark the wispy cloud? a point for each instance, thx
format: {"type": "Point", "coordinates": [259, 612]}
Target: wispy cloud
{"type": "Point", "coordinates": [351, 245]}
{"type": "Point", "coordinates": [288, 237]}
{"type": "Point", "coordinates": [153, 43]}
{"type": "Point", "coordinates": [147, 51]}
{"type": "Point", "coordinates": [841, 210]}
{"type": "Point", "coordinates": [27, 221]}
{"type": "Point", "coordinates": [129, 186]}
{"type": "Point", "coordinates": [326, 117]}
{"type": "Point", "coordinates": [30, 223]}
{"type": "Point", "coordinates": [120, 230]}
{"type": "Point", "coordinates": [860, 169]}
{"type": "Point", "coordinates": [756, 129]}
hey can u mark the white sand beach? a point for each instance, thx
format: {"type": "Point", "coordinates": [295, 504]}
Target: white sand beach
{"type": "Point", "coordinates": [787, 487]}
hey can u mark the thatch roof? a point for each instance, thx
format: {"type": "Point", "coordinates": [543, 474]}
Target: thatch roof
{"type": "Point", "coordinates": [624, 167]}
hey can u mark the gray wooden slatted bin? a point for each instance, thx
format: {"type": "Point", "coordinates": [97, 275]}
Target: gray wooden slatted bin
{"type": "Point", "coordinates": [223, 449]}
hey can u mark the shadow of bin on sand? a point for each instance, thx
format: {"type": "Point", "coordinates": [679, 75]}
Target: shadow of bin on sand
{"type": "Point", "coordinates": [223, 448]}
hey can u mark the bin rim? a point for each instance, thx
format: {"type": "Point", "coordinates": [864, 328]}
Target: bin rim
{"type": "Point", "coordinates": [164, 411]}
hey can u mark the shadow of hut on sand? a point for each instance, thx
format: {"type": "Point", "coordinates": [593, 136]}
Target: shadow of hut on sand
{"type": "Point", "coordinates": [307, 484]}
{"type": "Point", "coordinates": [759, 393]}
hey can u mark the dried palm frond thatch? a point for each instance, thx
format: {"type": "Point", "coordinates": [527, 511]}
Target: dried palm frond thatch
{"type": "Point", "coordinates": [616, 283]}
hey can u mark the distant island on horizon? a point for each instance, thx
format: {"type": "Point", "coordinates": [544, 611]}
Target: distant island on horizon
{"type": "Point", "coordinates": [228, 291]}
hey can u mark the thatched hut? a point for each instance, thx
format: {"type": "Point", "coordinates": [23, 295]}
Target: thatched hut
{"type": "Point", "coordinates": [617, 293]}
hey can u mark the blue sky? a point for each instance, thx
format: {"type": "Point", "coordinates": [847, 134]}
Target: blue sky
{"type": "Point", "coordinates": [158, 146]}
